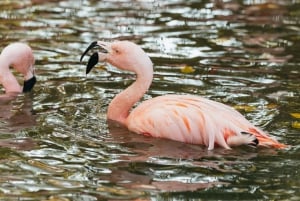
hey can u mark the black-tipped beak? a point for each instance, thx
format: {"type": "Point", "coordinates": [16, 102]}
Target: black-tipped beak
{"type": "Point", "coordinates": [92, 62]}
{"type": "Point", "coordinates": [91, 46]}
{"type": "Point", "coordinates": [29, 84]}
{"type": "Point", "coordinates": [95, 57]}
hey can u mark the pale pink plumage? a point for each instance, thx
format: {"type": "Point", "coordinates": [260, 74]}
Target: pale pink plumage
{"type": "Point", "coordinates": [20, 57]}
{"type": "Point", "coordinates": [185, 118]}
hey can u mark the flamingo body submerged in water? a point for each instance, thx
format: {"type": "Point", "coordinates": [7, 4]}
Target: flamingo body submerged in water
{"type": "Point", "coordinates": [20, 57]}
{"type": "Point", "coordinates": [186, 118]}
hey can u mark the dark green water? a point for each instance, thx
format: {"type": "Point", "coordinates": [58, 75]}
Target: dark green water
{"type": "Point", "coordinates": [55, 143]}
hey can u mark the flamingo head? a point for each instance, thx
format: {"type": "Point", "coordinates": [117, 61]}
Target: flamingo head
{"type": "Point", "coordinates": [29, 75]}
{"type": "Point", "coordinates": [20, 57]}
{"type": "Point", "coordinates": [23, 62]}
{"type": "Point", "coordinates": [124, 55]}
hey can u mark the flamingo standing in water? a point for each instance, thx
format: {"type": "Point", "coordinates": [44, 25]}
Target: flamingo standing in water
{"type": "Point", "coordinates": [185, 118]}
{"type": "Point", "coordinates": [20, 57]}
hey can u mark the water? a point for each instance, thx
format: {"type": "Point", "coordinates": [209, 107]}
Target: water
{"type": "Point", "coordinates": [56, 144]}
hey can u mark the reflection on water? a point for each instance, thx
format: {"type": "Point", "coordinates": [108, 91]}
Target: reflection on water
{"type": "Point", "coordinates": [16, 113]}
{"type": "Point", "coordinates": [55, 143]}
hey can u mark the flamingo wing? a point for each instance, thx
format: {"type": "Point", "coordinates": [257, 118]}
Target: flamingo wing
{"type": "Point", "coordinates": [193, 119]}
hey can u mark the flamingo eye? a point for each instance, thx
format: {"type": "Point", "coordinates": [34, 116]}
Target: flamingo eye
{"type": "Point", "coordinates": [117, 51]}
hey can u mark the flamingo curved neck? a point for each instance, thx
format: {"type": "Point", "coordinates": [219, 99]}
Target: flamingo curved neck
{"type": "Point", "coordinates": [7, 79]}
{"type": "Point", "coordinates": [120, 106]}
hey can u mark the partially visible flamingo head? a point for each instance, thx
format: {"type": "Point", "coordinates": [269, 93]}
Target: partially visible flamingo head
{"type": "Point", "coordinates": [20, 57]}
{"type": "Point", "coordinates": [124, 55]}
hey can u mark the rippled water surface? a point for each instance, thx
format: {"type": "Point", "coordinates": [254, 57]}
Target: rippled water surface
{"type": "Point", "coordinates": [55, 143]}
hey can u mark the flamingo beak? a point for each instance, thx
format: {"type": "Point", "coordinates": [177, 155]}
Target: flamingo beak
{"type": "Point", "coordinates": [91, 46]}
{"type": "Point", "coordinates": [93, 59]}
{"type": "Point", "coordinates": [92, 62]}
{"type": "Point", "coordinates": [29, 84]}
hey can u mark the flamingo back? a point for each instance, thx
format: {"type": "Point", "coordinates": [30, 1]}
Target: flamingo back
{"type": "Point", "coordinates": [195, 120]}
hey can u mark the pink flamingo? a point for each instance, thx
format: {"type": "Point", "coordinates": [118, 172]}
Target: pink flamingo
{"type": "Point", "coordinates": [20, 57]}
{"type": "Point", "coordinates": [185, 118]}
